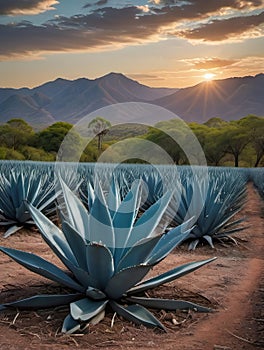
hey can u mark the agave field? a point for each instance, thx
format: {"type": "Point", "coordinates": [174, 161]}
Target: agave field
{"type": "Point", "coordinates": [107, 255]}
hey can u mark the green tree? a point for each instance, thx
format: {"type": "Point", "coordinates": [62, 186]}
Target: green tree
{"type": "Point", "coordinates": [215, 123]}
{"type": "Point", "coordinates": [50, 139]}
{"type": "Point", "coordinates": [100, 128]}
{"type": "Point", "coordinates": [178, 135]}
{"type": "Point", "coordinates": [8, 153]}
{"type": "Point", "coordinates": [200, 131]}
{"type": "Point", "coordinates": [89, 154]}
{"type": "Point", "coordinates": [214, 146]}
{"type": "Point", "coordinates": [255, 128]}
{"type": "Point", "coordinates": [235, 138]}
{"type": "Point", "coordinates": [16, 133]}
{"type": "Point", "coordinates": [36, 154]}
{"type": "Point", "coordinates": [169, 145]}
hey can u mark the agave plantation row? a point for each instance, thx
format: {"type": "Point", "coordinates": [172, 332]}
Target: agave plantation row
{"type": "Point", "coordinates": [115, 223]}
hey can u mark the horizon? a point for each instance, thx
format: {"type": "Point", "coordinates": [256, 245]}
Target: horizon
{"type": "Point", "coordinates": [159, 43]}
{"type": "Point", "coordinates": [127, 76]}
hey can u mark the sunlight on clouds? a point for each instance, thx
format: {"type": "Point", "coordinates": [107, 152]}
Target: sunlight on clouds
{"type": "Point", "coordinates": [253, 33]}
{"type": "Point", "coordinates": [252, 65]}
{"type": "Point", "coordinates": [189, 72]}
{"type": "Point", "coordinates": [143, 8]}
{"type": "Point", "coordinates": [171, 43]}
{"type": "Point", "coordinates": [28, 7]}
{"type": "Point", "coordinates": [232, 29]}
{"type": "Point", "coordinates": [209, 63]}
{"type": "Point", "coordinates": [223, 68]}
{"type": "Point", "coordinates": [26, 56]}
{"type": "Point", "coordinates": [155, 2]}
{"type": "Point", "coordinates": [246, 4]}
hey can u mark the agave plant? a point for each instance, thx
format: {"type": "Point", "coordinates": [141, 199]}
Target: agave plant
{"type": "Point", "coordinates": [155, 188]}
{"type": "Point", "coordinates": [257, 176]}
{"type": "Point", "coordinates": [21, 186]}
{"type": "Point", "coordinates": [214, 204]}
{"type": "Point", "coordinates": [108, 250]}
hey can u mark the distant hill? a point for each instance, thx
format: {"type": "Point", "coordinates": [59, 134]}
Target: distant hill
{"type": "Point", "coordinates": [27, 108]}
{"type": "Point", "coordinates": [229, 99]}
{"type": "Point", "coordinates": [70, 100]}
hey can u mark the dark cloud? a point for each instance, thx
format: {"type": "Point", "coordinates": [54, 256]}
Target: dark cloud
{"type": "Point", "coordinates": [109, 27]}
{"type": "Point", "coordinates": [203, 7]}
{"type": "Point", "coordinates": [219, 30]}
{"type": "Point", "coordinates": [80, 32]}
{"type": "Point", "coordinates": [101, 2]}
{"type": "Point", "coordinates": [164, 2]}
{"type": "Point", "coordinates": [25, 7]}
{"type": "Point", "coordinates": [235, 3]}
{"type": "Point", "coordinates": [96, 3]}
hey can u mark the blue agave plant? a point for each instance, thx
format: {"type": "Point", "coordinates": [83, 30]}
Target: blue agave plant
{"type": "Point", "coordinates": [213, 204]}
{"type": "Point", "coordinates": [257, 176]}
{"type": "Point", "coordinates": [20, 186]}
{"type": "Point", "coordinates": [108, 250]}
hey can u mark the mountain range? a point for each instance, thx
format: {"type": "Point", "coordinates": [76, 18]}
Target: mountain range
{"type": "Point", "coordinates": [70, 100]}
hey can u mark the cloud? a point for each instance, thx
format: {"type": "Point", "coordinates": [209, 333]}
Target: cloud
{"type": "Point", "coordinates": [189, 74]}
{"type": "Point", "coordinates": [144, 76]}
{"type": "Point", "coordinates": [252, 65]}
{"type": "Point", "coordinates": [210, 63]}
{"type": "Point", "coordinates": [163, 2]}
{"type": "Point", "coordinates": [205, 6]}
{"type": "Point", "coordinates": [26, 7]}
{"type": "Point", "coordinates": [155, 2]}
{"type": "Point", "coordinates": [219, 30]}
{"type": "Point", "coordinates": [97, 3]}
{"type": "Point", "coordinates": [112, 28]}
{"type": "Point", "coordinates": [101, 2]}
{"type": "Point", "coordinates": [223, 68]}
{"type": "Point", "coordinates": [143, 8]}
{"type": "Point", "coordinates": [102, 29]}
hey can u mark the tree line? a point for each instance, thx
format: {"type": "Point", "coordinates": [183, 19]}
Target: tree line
{"type": "Point", "coordinates": [234, 143]}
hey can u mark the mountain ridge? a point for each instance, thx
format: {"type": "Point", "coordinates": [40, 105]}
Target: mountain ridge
{"type": "Point", "coordinates": [70, 100]}
{"type": "Point", "coordinates": [229, 99]}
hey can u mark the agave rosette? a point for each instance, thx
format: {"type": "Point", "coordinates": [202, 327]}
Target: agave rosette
{"type": "Point", "coordinates": [213, 204]}
{"type": "Point", "coordinates": [108, 250]}
{"type": "Point", "coordinates": [16, 188]}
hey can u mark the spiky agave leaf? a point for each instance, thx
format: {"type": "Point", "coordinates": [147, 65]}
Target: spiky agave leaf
{"type": "Point", "coordinates": [168, 276]}
{"type": "Point", "coordinates": [42, 300]}
{"type": "Point", "coordinates": [103, 275]}
{"type": "Point", "coordinates": [85, 309]}
{"type": "Point", "coordinates": [42, 267]}
{"type": "Point", "coordinates": [137, 314]}
{"type": "Point", "coordinates": [167, 304]}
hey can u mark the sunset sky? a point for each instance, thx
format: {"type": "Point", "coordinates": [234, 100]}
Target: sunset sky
{"type": "Point", "coordinates": [156, 42]}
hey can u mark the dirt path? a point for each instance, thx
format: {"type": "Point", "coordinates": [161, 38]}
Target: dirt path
{"type": "Point", "coordinates": [235, 325]}
{"type": "Point", "coordinates": [233, 286]}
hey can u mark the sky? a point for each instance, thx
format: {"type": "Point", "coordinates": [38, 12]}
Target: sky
{"type": "Point", "coordinates": [160, 43]}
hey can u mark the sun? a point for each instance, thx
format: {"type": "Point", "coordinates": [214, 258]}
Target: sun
{"type": "Point", "coordinates": [209, 76]}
